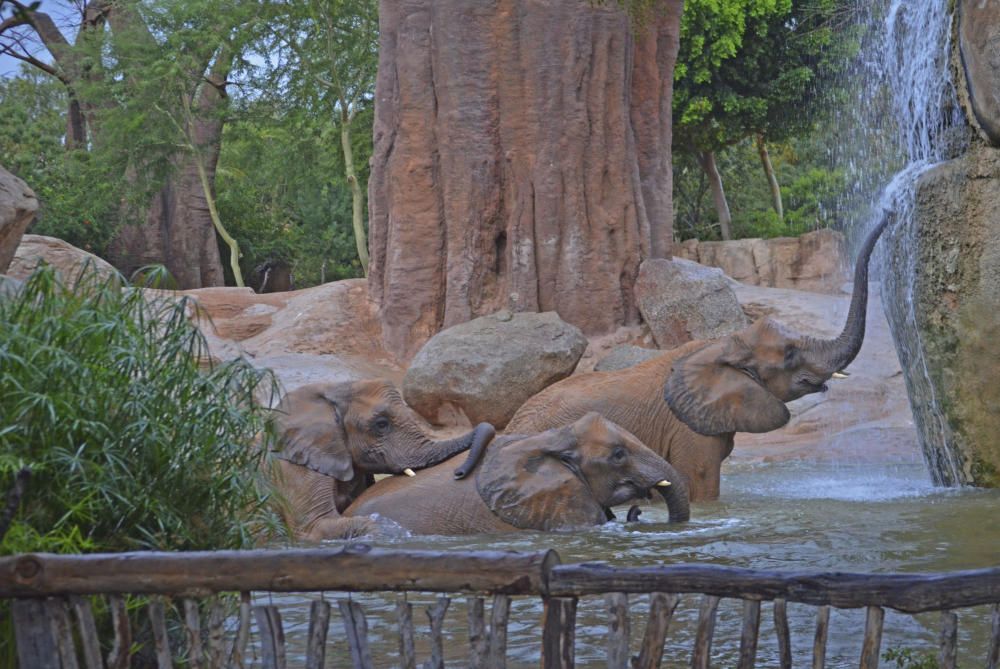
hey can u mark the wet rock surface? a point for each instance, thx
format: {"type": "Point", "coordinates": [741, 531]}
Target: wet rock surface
{"type": "Point", "coordinates": [979, 53]}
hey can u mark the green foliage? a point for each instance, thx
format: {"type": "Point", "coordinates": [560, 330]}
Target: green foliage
{"type": "Point", "coordinates": [911, 658]}
{"type": "Point", "coordinates": [133, 440]}
{"type": "Point", "coordinates": [811, 188]}
{"type": "Point", "coordinates": [78, 192]}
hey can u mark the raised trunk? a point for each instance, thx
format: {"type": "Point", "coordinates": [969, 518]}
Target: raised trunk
{"type": "Point", "coordinates": [507, 169]}
{"type": "Point", "coordinates": [707, 161]}
{"type": "Point", "coordinates": [772, 179]}
{"type": "Point", "coordinates": [439, 451]}
{"type": "Point", "coordinates": [835, 354]}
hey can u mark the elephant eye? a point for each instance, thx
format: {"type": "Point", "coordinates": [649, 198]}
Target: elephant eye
{"type": "Point", "coordinates": [618, 455]}
{"type": "Point", "coordinates": [791, 355]}
{"type": "Point", "coordinates": [381, 425]}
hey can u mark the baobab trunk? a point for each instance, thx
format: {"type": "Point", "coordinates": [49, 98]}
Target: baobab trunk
{"type": "Point", "coordinates": [521, 161]}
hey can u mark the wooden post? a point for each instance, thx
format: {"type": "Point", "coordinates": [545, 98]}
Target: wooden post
{"type": "Point", "coordinates": [242, 634]}
{"type": "Point", "coordinates": [62, 631]}
{"type": "Point", "coordinates": [499, 614]}
{"type": "Point", "coordinates": [36, 643]}
{"type": "Point", "coordinates": [216, 634]}
{"type": "Point", "coordinates": [558, 633]}
{"type": "Point", "coordinates": [161, 642]}
{"type": "Point", "coordinates": [119, 656]}
{"type": "Point", "coordinates": [407, 656]}
{"type": "Point", "coordinates": [873, 637]}
{"type": "Point", "coordinates": [819, 640]}
{"type": "Point", "coordinates": [784, 638]}
{"type": "Point", "coordinates": [319, 624]}
{"type": "Point", "coordinates": [272, 637]}
{"type": "Point", "coordinates": [479, 641]}
{"type": "Point", "coordinates": [618, 630]}
{"type": "Point", "coordinates": [749, 633]}
{"type": "Point", "coordinates": [993, 657]}
{"type": "Point", "coordinates": [88, 632]}
{"type": "Point", "coordinates": [356, 628]}
{"type": "Point", "coordinates": [702, 653]}
{"type": "Point", "coordinates": [661, 610]}
{"type": "Point", "coordinates": [948, 642]}
{"type": "Point", "coordinates": [436, 616]}
{"type": "Point", "coordinates": [192, 629]}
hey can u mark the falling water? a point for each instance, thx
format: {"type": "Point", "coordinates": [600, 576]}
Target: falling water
{"type": "Point", "coordinates": [904, 75]}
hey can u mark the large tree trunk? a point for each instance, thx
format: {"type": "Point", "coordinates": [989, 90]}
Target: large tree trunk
{"type": "Point", "coordinates": [506, 171]}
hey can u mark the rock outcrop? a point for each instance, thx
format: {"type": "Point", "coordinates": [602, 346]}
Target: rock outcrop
{"type": "Point", "coordinates": [952, 359]}
{"type": "Point", "coordinates": [979, 54]}
{"type": "Point", "coordinates": [487, 367]}
{"type": "Point", "coordinates": [18, 205]}
{"type": "Point", "coordinates": [521, 161]}
{"type": "Point", "coordinates": [814, 261]}
{"type": "Point", "coordinates": [682, 300]}
{"type": "Point", "coordinates": [68, 261]}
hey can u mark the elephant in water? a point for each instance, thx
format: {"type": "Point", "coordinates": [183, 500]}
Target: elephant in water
{"type": "Point", "coordinates": [713, 389]}
{"type": "Point", "coordinates": [332, 439]}
{"type": "Point", "coordinates": [558, 479]}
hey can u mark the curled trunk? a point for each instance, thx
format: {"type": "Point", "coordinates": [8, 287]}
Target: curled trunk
{"type": "Point", "coordinates": [678, 500]}
{"type": "Point", "coordinates": [436, 452]}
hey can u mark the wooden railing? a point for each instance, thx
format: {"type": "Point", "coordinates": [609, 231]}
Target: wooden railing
{"type": "Point", "coordinates": [51, 599]}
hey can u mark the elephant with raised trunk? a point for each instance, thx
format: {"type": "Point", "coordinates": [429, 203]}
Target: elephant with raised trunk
{"type": "Point", "coordinates": [333, 438]}
{"type": "Point", "coordinates": [562, 478]}
{"type": "Point", "coordinates": [713, 389]}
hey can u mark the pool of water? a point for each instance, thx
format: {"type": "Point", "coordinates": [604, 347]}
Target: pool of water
{"type": "Point", "coordinates": [784, 516]}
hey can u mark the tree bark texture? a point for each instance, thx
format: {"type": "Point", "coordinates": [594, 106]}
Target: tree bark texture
{"type": "Point", "coordinates": [772, 178]}
{"type": "Point", "coordinates": [521, 161]}
{"type": "Point", "coordinates": [707, 161]}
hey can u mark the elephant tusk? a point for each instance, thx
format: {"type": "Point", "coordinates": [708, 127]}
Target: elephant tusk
{"type": "Point", "coordinates": [840, 375]}
{"type": "Point", "coordinates": [409, 472]}
{"type": "Point", "coordinates": [663, 484]}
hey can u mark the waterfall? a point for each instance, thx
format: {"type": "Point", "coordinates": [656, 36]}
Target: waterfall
{"type": "Point", "coordinates": [905, 74]}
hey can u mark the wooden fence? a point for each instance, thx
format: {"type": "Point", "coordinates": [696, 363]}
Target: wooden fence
{"type": "Point", "coordinates": [51, 599]}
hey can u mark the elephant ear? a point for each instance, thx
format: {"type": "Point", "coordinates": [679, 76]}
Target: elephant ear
{"type": "Point", "coordinates": [534, 482]}
{"type": "Point", "coordinates": [311, 433]}
{"type": "Point", "coordinates": [711, 394]}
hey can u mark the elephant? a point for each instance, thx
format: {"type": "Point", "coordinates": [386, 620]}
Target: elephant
{"type": "Point", "coordinates": [712, 389]}
{"type": "Point", "coordinates": [333, 438]}
{"type": "Point", "coordinates": [562, 478]}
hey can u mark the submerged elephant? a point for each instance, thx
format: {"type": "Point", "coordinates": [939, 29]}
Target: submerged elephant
{"type": "Point", "coordinates": [713, 389]}
{"type": "Point", "coordinates": [558, 479]}
{"type": "Point", "coordinates": [332, 439]}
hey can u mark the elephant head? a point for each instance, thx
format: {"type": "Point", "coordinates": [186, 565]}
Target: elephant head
{"type": "Point", "coordinates": [740, 383]}
{"type": "Point", "coordinates": [351, 430]}
{"type": "Point", "coordinates": [571, 476]}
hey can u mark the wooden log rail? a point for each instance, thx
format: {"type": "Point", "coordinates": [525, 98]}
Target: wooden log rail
{"type": "Point", "coordinates": [51, 598]}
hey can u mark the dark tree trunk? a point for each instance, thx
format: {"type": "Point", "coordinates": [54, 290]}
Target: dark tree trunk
{"type": "Point", "coordinates": [522, 160]}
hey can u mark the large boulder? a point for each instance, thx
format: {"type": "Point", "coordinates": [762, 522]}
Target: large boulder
{"type": "Point", "coordinates": [68, 261]}
{"type": "Point", "coordinates": [683, 301]}
{"type": "Point", "coordinates": [626, 355]}
{"type": "Point", "coordinates": [946, 281]}
{"type": "Point", "coordinates": [814, 261]}
{"type": "Point", "coordinates": [979, 51]}
{"type": "Point", "coordinates": [489, 366]}
{"type": "Point", "coordinates": [18, 205]}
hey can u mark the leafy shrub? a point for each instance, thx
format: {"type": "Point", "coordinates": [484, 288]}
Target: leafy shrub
{"type": "Point", "coordinates": [910, 658]}
{"type": "Point", "coordinates": [134, 441]}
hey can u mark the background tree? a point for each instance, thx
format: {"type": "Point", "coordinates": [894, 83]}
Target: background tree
{"type": "Point", "coordinates": [754, 68]}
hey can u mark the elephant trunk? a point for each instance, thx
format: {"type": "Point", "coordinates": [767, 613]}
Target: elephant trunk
{"type": "Point", "coordinates": [834, 355]}
{"type": "Point", "coordinates": [677, 499]}
{"type": "Point", "coordinates": [435, 452]}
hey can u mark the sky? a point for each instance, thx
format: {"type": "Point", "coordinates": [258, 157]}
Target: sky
{"type": "Point", "coordinates": [65, 14]}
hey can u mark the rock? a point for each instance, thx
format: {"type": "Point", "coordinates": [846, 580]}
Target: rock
{"type": "Point", "coordinates": [18, 205]}
{"type": "Point", "coordinates": [682, 301]}
{"type": "Point", "coordinates": [946, 280]}
{"type": "Point", "coordinates": [625, 356]}
{"type": "Point", "coordinates": [68, 260]}
{"type": "Point", "coordinates": [9, 286]}
{"type": "Point", "coordinates": [521, 160]}
{"type": "Point", "coordinates": [814, 261]}
{"type": "Point", "coordinates": [488, 366]}
{"type": "Point", "coordinates": [979, 51]}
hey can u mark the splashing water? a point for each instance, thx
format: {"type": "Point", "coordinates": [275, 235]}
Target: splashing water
{"type": "Point", "coordinates": [907, 98]}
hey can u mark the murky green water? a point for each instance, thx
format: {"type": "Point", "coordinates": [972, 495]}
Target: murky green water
{"type": "Point", "coordinates": [790, 516]}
